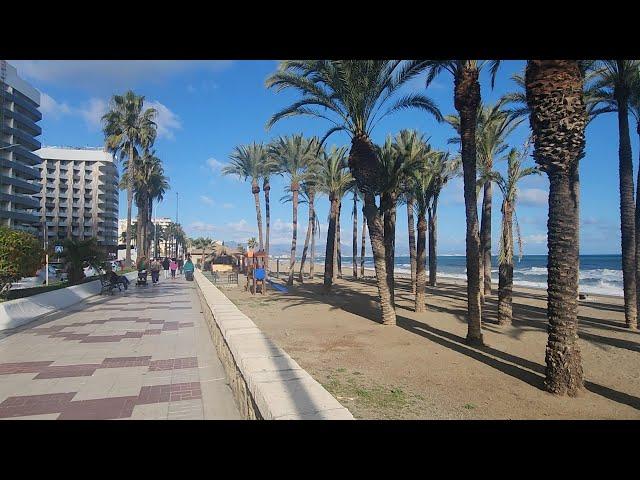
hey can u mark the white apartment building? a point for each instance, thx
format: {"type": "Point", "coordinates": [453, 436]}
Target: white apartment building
{"type": "Point", "coordinates": [79, 195]}
{"type": "Point", "coordinates": [19, 180]}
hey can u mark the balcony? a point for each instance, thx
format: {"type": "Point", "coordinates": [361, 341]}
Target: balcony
{"type": "Point", "coordinates": [25, 103]}
{"type": "Point", "coordinates": [22, 137]}
{"type": "Point", "coordinates": [24, 200]}
{"type": "Point", "coordinates": [27, 171]}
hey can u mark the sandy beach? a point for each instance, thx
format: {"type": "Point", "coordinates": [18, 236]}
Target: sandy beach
{"type": "Point", "coordinates": [422, 368]}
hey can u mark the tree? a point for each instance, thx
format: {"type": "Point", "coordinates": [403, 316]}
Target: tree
{"type": "Point", "coordinates": [509, 188]}
{"type": "Point", "coordinates": [467, 101]}
{"type": "Point", "coordinates": [269, 167]}
{"type": "Point", "coordinates": [246, 162]}
{"type": "Point", "coordinates": [77, 253]}
{"type": "Point", "coordinates": [615, 81]}
{"type": "Point", "coordinates": [296, 156]}
{"type": "Point", "coordinates": [494, 125]}
{"type": "Point", "coordinates": [127, 126]}
{"type": "Point", "coordinates": [442, 169]}
{"type": "Point", "coordinates": [558, 117]}
{"type": "Point", "coordinates": [334, 180]}
{"type": "Point", "coordinates": [252, 243]}
{"type": "Point", "coordinates": [354, 238]}
{"type": "Point", "coordinates": [634, 107]}
{"type": "Point", "coordinates": [354, 95]}
{"type": "Point", "coordinates": [21, 254]}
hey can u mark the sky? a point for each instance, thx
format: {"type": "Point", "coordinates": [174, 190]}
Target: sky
{"type": "Point", "coordinates": [206, 108]}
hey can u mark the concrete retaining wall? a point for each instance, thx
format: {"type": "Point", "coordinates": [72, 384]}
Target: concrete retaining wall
{"type": "Point", "coordinates": [266, 382]}
{"type": "Point", "coordinates": [15, 313]}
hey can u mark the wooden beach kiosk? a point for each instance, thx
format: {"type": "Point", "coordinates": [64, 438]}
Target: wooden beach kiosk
{"type": "Point", "coordinates": [254, 267]}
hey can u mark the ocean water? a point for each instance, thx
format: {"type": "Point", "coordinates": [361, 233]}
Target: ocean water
{"type": "Point", "coordinates": [599, 274]}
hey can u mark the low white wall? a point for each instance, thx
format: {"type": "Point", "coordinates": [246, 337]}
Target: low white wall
{"type": "Point", "coordinates": [265, 380]}
{"type": "Point", "coordinates": [15, 313]}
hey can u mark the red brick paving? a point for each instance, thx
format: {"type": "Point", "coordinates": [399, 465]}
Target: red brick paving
{"type": "Point", "coordinates": [63, 371]}
{"type": "Point", "coordinates": [34, 404]}
{"type": "Point", "coordinates": [23, 367]}
{"type": "Point", "coordinates": [99, 409]}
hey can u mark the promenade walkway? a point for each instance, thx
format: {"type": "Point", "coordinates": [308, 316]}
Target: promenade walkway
{"type": "Point", "coordinates": [141, 354]}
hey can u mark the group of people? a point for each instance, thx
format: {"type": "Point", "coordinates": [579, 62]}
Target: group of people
{"type": "Point", "coordinates": [169, 266]}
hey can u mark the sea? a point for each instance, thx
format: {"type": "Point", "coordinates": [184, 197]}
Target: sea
{"type": "Point", "coordinates": [599, 274]}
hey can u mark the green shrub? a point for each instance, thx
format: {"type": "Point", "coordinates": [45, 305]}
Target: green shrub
{"type": "Point", "coordinates": [79, 253]}
{"type": "Point", "coordinates": [20, 256]}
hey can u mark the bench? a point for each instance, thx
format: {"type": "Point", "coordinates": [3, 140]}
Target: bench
{"type": "Point", "coordinates": [107, 286]}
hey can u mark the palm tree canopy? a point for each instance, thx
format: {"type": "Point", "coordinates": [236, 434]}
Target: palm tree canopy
{"type": "Point", "coordinates": [247, 161]}
{"type": "Point", "coordinates": [334, 178]}
{"type": "Point", "coordinates": [126, 125]}
{"type": "Point", "coordinates": [353, 95]}
{"type": "Point", "coordinates": [297, 157]}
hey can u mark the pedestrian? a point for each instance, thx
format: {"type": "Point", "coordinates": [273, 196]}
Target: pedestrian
{"type": "Point", "coordinates": [165, 266]}
{"type": "Point", "coordinates": [188, 269]}
{"type": "Point", "coordinates": [156, 266]}
{"type": "Point", "coordinates": [180, 265]}
{"type": "Point", "coordinates": [173, 266]}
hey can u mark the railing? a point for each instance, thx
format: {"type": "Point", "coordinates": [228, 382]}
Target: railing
{"type": "Point", "coordinates": [222, 278]}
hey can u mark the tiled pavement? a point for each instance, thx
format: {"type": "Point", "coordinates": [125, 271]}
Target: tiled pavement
{"type": "Point", "coordinates": [141, 354]}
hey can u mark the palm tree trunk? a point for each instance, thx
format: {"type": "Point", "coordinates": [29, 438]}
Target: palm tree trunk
{"type": "Point", "coordinates": [313, 235]}
{"type": "Point", "coordinates": [140, 231]}
{"type": "Point", "coordinates": [306, 246]}
{"type": "Point", "coordinates": [433, 242]}
{"type": "Point", "coordinates": [412, 243]}
{"type": "Point", "coordinates": [294, 237]}
{"type": "Point", "coordinates": [266, 188]}
{"type": "Point", "coordinates": [363, 163]}
{"type": "Point", "coordinates": [131, 173]}
{"type": "Point", "coordinates": [421, 264]}
{"type": "Point", "coordinates": [255, 189]}
{"type": "Point", "coordinates": [363, 243]}
{"type": "Point", "coordinates": [331, 242]}
{"type": "Point", "coordinates": [338, 241]}
{"type": "Point", "coordinates": [627, 216]}
{"type": "Point", "coordinates": [467, 100]}
{"type": "Point", "coordinates": [637, 225]}
{"type": "Point", "coordinates": [485, 237]}
{"type": "Point", "coordinates": [505, 275]}
{"type": "Point", "coordinates": [354, 240]}
{"type": "Point", "coordinates": [388, 202]}
{"type": "Point", "coordinates": [563, 359]}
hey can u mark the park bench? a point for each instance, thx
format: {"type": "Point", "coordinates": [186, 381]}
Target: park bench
{"type": "Point", "coordinates": [107, 285]}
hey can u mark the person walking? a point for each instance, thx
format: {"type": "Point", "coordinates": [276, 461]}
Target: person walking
{"type": "Point", "coordinates": [188, 269]}
{"type": "Point", "coordinates": [180, 265]}
{"type": "Point", "coordinates": [156, 266]}
{"type": "Point", "coordinates": [173, 266]}
{"type": "Point", "coordinates": [165, 265]}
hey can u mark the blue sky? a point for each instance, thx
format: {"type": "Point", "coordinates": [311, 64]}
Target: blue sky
{"type": "Point", "coordinates": [206, 108]}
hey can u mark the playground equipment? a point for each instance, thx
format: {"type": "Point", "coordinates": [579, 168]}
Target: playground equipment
{"type": "Point", "coordinates": [254, 268]}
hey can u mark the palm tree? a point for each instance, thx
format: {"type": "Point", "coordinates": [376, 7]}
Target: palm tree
{"type": "Point", "coordinates": [442, 169]}
{"type": "Point", "coordinates": [247, 162]}
{"type": "Point", "coordinates": [409, 148]}
{"type": "Point", "coordinates": [127, 127]}
{"type": "Point", "coordinates": [268, 168]}
{"type": "Point", "coordinates": [494, 125]}
{"type": "Point", "coordinates": [78, 252]}
{"type": "Point", "coordinates": [333, 179]}
{"type": "Point", "coordinates": [306, 195]}
{"type": "Point", "coordinates": [157, 186]}
{"type": "Point", "coordinates": [509, 188]}
{"type": "Point", "coordinates": [467, 101]}
{"type": "Point", "coordinates": [354, 239]}
{"type": "Point", "coordinates": [558, 118]}
{"type": "Point", "coordinates": [354, 95]}
{"type": "Point", "coordinates": [363, 244]}
{"type": "Point", "coordinates": [296, 156]}
{"type": "Point", "coordinates": [615, 83]}
{"type": "Point", "coordinates": [252, 243]}
{"type": "Point", "coordinates": [634, 107]}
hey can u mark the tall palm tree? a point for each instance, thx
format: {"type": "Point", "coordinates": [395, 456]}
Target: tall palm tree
{"type": "Point", "coordinates": [127, 126]}
{"type": "Point", "coordinates": [509, 188]}
{"type": "Point", "coordinates": [634, 108]}
{"type": "Point", "coordinates": [467, 101]}
{"type": "Point", "coordinates": [558, 118]}
{"type": "Point", "coordinates": [296, 157]}
{"type": "Point", "coordinates": [615, 83]}
{"type": "Point", "coordinates": [363, 245]}
{"type": "Point", "coordinates": [354, 95]}
{"type": "Point", "coordinates": [354, 238]}
{"type": "Point", "coordinates": [269, 167]}
{"type": "Point", "coordinates": [247, 162]}
{"type": "Point", "coordinates": [494, 125]}
{"type": "Point", "coordinates": [158, 184]}
{"type": "Point", "coordinates": [333, 180]}
{"type": "Point", "coordinates": [442, 169]}
{"type": "Point", "coordinates": [306, 196]}
{"type": "Point", "coordinates": [409, 148]}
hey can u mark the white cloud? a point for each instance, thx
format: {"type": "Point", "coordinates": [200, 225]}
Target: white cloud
{"type": "Point", "coordinates": [166, 120]}
{"type": "Point", "coordinates": [214, 165]}
{"type": "Point", "coordinates": [207, 200]}
{"type": "Point", "coordinates": [227, 205]}
{"type": "Point", "coordinates": [536, 238]}
{"type": "Point", "coordinates": [49, 106]}
{"type": "Point", "coordinates": [92, 112]}
{"type": "Point", "coordinates": [201, 227]}
{"type": "Point", "coordinates": [533, 197]}
{"type": "Point", "coordinates": [99, 75]}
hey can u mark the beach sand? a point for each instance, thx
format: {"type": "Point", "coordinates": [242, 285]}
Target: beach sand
{"type": "Point", "coordinates": [422, 368]}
